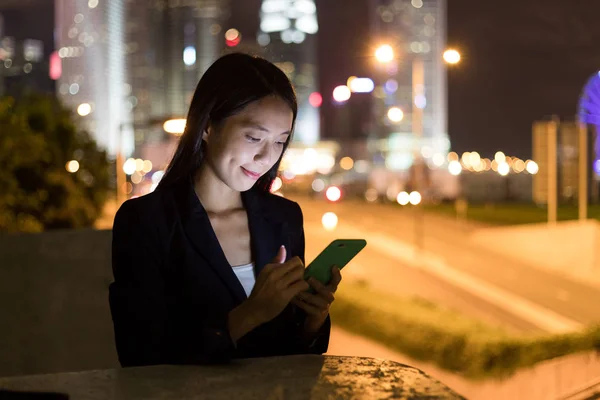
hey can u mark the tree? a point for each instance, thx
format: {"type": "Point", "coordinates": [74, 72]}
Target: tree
{"type": "Point", "coordinates": [38, 137]}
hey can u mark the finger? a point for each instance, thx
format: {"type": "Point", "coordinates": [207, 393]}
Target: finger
{"type": "Point", "coordinates": [321, 289]}
{"type": "Point", "coordinates": [290, 271]}
{"type": "Point", "coordinates": [297, 287]}
{"type": "Point", "coordinates": [336, 278]}
{"type": "Point", "coordinates": [281, 254]}
{"type": "Point", "coordinates": [310, 310]}
{"type": "Point", "coordinates": [277, 260]}
{"type": "Point", "coordinates": [314, 300]}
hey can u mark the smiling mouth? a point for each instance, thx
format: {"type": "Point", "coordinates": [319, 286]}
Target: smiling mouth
{"type": "Point", "coordinates": [250, 174]}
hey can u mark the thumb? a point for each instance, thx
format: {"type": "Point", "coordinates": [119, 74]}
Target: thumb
{"type": "Point", "coordinates": [281, 254]}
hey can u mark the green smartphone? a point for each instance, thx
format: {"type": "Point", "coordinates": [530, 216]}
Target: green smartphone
{"type": "Point", "coordinates": [339, 252]}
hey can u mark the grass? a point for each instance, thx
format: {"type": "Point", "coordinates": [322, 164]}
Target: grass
{"type": "Point", "coordinates": [452, 341]}
{"type": "Point", "coordinates": [514, 213]}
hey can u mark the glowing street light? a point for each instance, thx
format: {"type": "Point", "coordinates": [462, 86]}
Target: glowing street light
{"type": "Point", "coordinates": [532, 167]}
{"type": "Point", "coordinates": [329, 221]}
{"type": "Point", "coordinates": [403, 198]}
{"type": "Point", "coordinates": [84, 109]}
{"type": "Point", "coordinates": [72, 166]}
{"type": "Point", "coordinates": [499, 157]}
{"type": "Point", "coordinates": [341, 93]}
{"type": "Point", "coordinates": [333, 194]}
{"type": "Point", "coordinates": [175, 126]}
{"type": "Point", "coordinates": [415, 198]}
{"type": "Point", "coordinates": [129, 166]}
{"type": "Point", "coordinates": [451, 56]}
{"type": "Point", "coordinates": [503, 168]}
{"type": "Point", "coordinates": [384, 53]}
{"type": "Point", "coordinates": [454, 167]}
{"type": "Point", "coordinates": [360, 85]}
{"type": "Point", "coordinates": [346, 163]}
{"type": "Point", "coordinates": [395, 114]}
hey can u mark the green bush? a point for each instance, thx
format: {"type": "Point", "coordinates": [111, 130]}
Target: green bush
{"type": "Point", "coordinates": [37, 139]}
{"type": "Point", "coordinates": [450, 340]}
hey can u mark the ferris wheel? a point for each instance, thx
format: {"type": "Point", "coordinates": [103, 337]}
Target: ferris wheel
{"type": "Point", "coordinates": [589, 102]}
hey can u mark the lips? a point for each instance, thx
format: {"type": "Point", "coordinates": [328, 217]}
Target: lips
{"type": "Point", "coordinates": [250, 174]}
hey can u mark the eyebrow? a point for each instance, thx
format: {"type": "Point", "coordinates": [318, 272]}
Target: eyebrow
{"type": "Point", "coordinates": [259, 127]}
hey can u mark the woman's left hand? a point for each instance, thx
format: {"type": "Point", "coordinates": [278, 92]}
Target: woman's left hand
{"type": "Point", "coordinates": [317, 305]}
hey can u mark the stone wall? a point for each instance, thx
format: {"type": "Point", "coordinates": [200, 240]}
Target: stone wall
{"type": "Point", "coordinates": [54, 302]}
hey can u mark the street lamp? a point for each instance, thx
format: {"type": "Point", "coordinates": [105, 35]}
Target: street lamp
{"type": "Point", "coordinates": [384, 53]}
{"type": "Point", "coordinates": [395, 114]}
{"type": "Point", "coordinates": [341, 93]}
{"type": "Point", "coordinates": [84, 109]}
{"type": "Point", "coordinates": [175, 126]}
{"type": "Point", "coordinates": [451, 56]}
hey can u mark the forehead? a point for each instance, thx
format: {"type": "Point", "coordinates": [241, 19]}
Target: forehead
{"type": "Point", "coordinates": [270, 112]}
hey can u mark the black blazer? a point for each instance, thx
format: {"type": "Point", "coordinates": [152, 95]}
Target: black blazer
{"type": "Point", "coordinates": [174, 287]}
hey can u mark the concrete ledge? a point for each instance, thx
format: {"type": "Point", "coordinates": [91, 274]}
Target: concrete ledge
{"type": "Point", "coordinates": [293, 377]}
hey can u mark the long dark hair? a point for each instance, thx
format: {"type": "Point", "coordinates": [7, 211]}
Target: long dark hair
{"type": "Point", "coordinates": [230, 84]}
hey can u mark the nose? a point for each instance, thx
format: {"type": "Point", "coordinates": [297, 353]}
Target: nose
{"type": "Point", "coordinates": [263, 155]}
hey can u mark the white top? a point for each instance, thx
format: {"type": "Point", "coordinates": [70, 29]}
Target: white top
{"type": "Point", "coordinates": [245, 274]}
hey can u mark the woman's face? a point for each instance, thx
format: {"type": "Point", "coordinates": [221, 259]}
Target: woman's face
{"type": "Point", "coordinates": [248, 144]}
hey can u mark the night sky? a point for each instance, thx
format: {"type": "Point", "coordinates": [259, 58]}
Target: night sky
{"type": "Point", "coordinates": [522, 61]}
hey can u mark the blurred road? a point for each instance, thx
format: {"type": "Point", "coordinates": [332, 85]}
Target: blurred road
{"type": "Point", "coordinates": [469, 279]}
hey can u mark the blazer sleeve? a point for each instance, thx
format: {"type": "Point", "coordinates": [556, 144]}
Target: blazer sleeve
{"type": "Point", "coordinates": [143, 334]}
{"type": "Point", "coordinates": [307, 343]}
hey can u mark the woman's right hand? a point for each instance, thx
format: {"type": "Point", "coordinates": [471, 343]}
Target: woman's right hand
{"type": "Point", "coordinates": [276, 285]}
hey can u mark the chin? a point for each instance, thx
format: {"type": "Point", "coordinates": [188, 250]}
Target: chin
{"type": "Point", "coordinates": [241, 185]}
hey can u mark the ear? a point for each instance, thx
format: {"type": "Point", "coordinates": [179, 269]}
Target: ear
{"type": "Point", "coordinates": [206, 134]}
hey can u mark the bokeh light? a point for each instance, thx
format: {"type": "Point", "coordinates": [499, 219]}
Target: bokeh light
{"type": "Point", "coordinates": [403, 198]}
{"type": "Point", "coordinates": [415, 198]}
{"type": "Point", "coordinates": [72, 166]}
{"type": "Point", "coordinates": [384, 53]}
{"type": "Point", "coordinates": [451, 56]}
{"type": "Point", "coordinates": [532, 167]}
{"type": "Point", "coordinates": [329, 221]}
{"type": "Point", "coordinates": [346, 163]}
{"type": "Point", "coordinates": [84, 109]}
{"type": "Point", "coordinates": [395, 114]}
{"type": "Point", "coordinates": [333, 193]}
{"type": "Point", "coordinates": [341, 93]}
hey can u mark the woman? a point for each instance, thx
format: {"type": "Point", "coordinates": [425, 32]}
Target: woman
{"type": "Point", "coordinates": [209, 266]}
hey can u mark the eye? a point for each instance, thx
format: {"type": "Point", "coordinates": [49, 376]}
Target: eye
{"type": "Point", "coordinates": [280, 143]}
{"type": "Point", "coordinates": [252, 139]}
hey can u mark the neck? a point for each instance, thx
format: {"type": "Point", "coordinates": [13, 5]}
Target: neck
{"type": "Point", "coordinates": [215, 196]}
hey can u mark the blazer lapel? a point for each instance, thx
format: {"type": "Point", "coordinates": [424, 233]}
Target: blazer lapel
{"type": "Point", "coordinates": [266, 231]}
{"type": "Point", "coordinates": [200, 233]}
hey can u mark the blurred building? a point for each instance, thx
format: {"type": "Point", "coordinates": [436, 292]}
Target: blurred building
{"type": "Point", "coordinates": [567, 161]}
{"type": "Point", "coordinates": [90, 37]}
{"type": "Point", "coordinates": [26, 45]}
{"type": "Point", "coordinates": [132, 64]}
{"type": "Point", "coordinates": [166, 62]}
{"type": "Point", "coordinates": [288, 31]}
{"type": "Point", "coordinates": [415, 77]}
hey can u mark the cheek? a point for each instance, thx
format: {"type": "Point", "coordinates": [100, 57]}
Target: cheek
{"type": "Point", "coordinates": [239, 153]}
